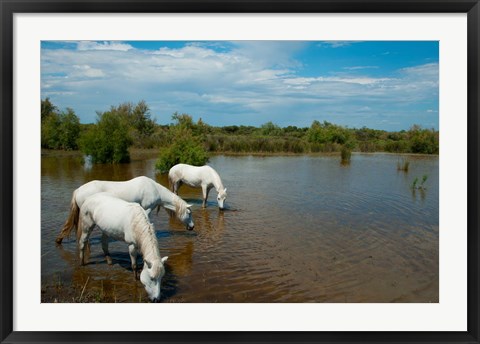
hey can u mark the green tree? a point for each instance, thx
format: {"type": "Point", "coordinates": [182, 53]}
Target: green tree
{"type": "Point", "coordinates": [186, 149]}
{"type": "Point", "coordinates": [328, 133]}
{"type": "Point", "coordinates": [187, 145]}
{"type": "Point", "coordinates": [138, 118]}
{"type": "Point", "coordinates": [108, 140]}
{"type": "Point", "coordinates": [423, 140]}
{"type": "Point", "coordinates": [50, 135]}
{"type": "Point", "coordinates": [68, 130]}
{"type": "Point", "coordinates": [47, 108]}
{"type": "Point", "coordinates": [58, 130]}
{"type": "Point", "coordinates": [202, 129]}
{"type": "Point", "coordinates": [270, 129]}
{"type": "Point", "coordinates": [183, 120]}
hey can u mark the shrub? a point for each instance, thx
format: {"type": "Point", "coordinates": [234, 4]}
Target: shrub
{"type": "Point", "coordinates": [270, 129]}
{"type": "Point", "coordinates": [328, 133]}
{"type": "Point", "coordinates": [400, 146]}
{"type": "Point", "coordinates": [346, 155]}
{"type": "Point", "coordinates": [108, 140]}
{"type": "Point", "coordinates": [49, 132]}
{"type": "Point", "coordinates": [138, 118]}
{"type": "Point", "coordinates": [69, 130]}
{"type": "Point", "coordinates": [59, 130]}
{"type": "Point", "coordinates": [47, 108]}
{"type": "Point", "coordinates": [403, 165]}
{"type": "Point", "coordinates": [186, 149]}
{"type": "Point", "coordinates": [423, 140]}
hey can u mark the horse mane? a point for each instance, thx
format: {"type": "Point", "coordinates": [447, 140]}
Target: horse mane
{"type": "Point", "coordinates": [147, 241]}
{"type": "Point", "coordinates": [217, 181]}
{"type": "Point", "coordinates": [180, 205]}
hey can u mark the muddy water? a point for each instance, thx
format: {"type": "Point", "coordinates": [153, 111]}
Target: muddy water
{"type": "Point", "coordinates": [297, 229]}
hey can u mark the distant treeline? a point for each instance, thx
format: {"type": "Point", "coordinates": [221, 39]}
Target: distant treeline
{"type": "Point", "coordinates": [130, 124]}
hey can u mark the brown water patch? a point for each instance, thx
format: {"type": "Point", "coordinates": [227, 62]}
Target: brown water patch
{"type": "Point", "coordinates": [297, 229]}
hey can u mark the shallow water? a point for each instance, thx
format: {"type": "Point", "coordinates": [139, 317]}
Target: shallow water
{"type": "Point", "coordinates": [296, 229]}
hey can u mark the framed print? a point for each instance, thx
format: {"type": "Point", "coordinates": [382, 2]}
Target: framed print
{"type": "Point", "coordinates": [239, 171]}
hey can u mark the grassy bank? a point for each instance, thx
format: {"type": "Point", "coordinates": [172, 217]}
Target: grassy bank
{"type": "Point", "coordinates": [128, 126]}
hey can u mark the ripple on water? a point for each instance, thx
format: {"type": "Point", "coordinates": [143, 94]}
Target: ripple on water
{"type": "Point", "coordinates": [296, 229]}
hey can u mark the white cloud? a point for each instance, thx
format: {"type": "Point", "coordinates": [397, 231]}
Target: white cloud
{"type": "Point", "coordinates": [429, 70]}
{"type": "Point", "coordinates": [270, 52]}
{"type": "Point", "coordinates": [89, 45]}
{"type": "Point", "coordinates": [251, 78]}
{"type": "Point", "coordinates": [355, 80]}
{"type": "Point", "coordinates": [338, 44]}
{"type": "Point", "coordinates": [360, 67]}
{"type": "Point", "coordinates": [86, 71]}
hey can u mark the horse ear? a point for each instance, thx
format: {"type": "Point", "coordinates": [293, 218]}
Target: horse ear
{"type": "Point", "coordinates": [189, 205]}
{"type": "Point", "coordinates": [149, 265]}
{"type": "Point", "coordinates": [148, 211]}
{"type": "Point", "coordinates": [225, 190]}
{"type": "Point", "coordinates": [164, 259]}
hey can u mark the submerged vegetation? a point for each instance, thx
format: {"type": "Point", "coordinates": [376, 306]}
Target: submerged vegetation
{"type": "Point", "coordinates": [403, 165]}
{"type": "Point", "coordinates": [346, 155]}
{"type": "Point", "coordinates": [130, 125]}
{"type": "Point", "coordinates": [421, 186]}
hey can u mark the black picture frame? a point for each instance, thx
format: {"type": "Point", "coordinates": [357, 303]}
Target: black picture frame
{"type": "Point", "coordinates": [10, 7]}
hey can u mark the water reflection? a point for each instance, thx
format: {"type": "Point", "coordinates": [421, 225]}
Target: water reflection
{"type": "Point", "coordinates": [87, 162]}
{"type": "Point", "coordinates": [296, 229]}
{"type": "Point", "coordinates": [182, 260]}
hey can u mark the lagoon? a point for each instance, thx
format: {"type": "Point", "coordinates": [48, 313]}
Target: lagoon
{"type": "Point", "coordinates": [296, 229]}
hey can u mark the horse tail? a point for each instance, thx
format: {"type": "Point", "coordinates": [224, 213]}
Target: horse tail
{"type": "Point", "coordinates": [79, 228]}
{"type": "Point", "coordinates": [72, 220]}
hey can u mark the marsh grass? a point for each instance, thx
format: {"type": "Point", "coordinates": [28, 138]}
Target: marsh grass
{"type": "Point", "coordinates": [403, 165]}
{"type": "Point", "coordinates": [419, 186]}
{"type": "Point", "coordinates": [59, 292]}
{"type": "Point", "coordinates": [346, 155]}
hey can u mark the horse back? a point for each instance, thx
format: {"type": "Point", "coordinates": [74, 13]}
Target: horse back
{"type": "Point", "coordinates": [193, 175]}
{"type": "Point", "coordinates": [114, 216]}
{"type": "Point", "coordinates": [134, 190]}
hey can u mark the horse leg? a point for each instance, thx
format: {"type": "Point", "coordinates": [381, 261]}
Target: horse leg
{"type": "Point", "coordinates": [83, 241]}
{"type": "Point", "coordinates": [176, 186]}
{"type": "Point", "coordinates": [105, 249]}
{"type": "Point", "coordinates": [133, 257]}
{"type": "Point", "coordinates": [205, 191]}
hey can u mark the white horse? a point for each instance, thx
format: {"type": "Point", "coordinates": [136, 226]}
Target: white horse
{"type": "Point", "coordinates": [198, 176]}
{"type": "Point", "coordinates": [142, 190]}
{"type": "Point", "coordinates": [125, 221]}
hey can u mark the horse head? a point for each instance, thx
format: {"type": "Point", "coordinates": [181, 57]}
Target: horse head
{"type": "Point", "coordinates": [187, 218]}
{"type": "Point", "coordinates": [151, 278]}
{"type": "Point", "coordinates": [184, 213]}
{"type": "Point", "coordinates": [222, 195]}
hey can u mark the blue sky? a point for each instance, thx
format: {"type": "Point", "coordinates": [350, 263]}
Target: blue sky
{"type": "Point", "coordinates": [387, 85]}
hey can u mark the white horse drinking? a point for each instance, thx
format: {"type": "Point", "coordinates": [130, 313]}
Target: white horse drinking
{"type": "Point", "coordinates": [125, 221]}
{"type": "Point", "coordinates": [142, 190]}
{"type": "Point", "coordinates": [198, 176]}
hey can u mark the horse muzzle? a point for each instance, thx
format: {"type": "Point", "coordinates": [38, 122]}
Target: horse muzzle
{"type": "Point", "coordinates": [190, 228]}
{"type": "Point", "coordinates": [156, 300]}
